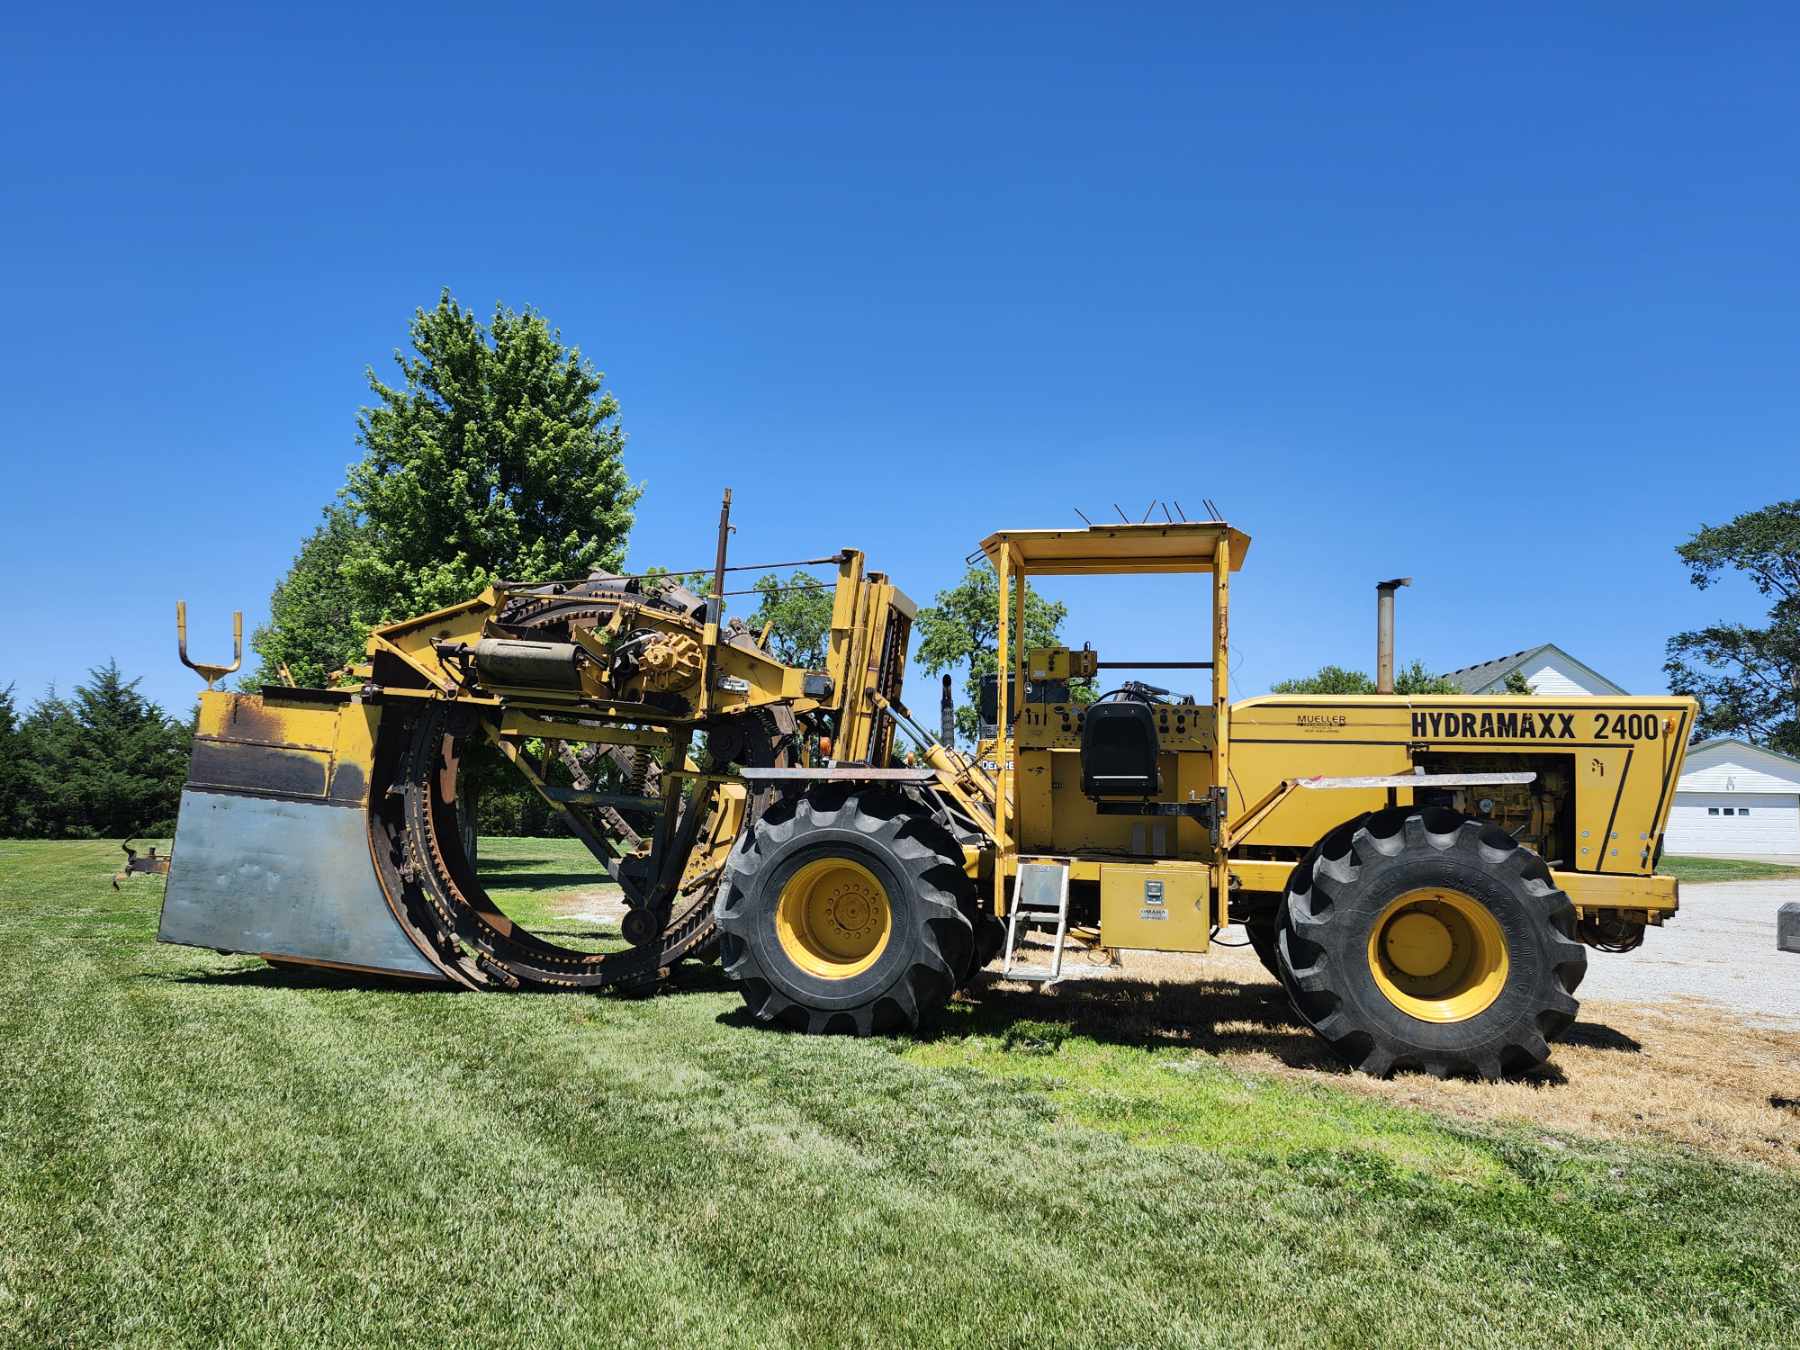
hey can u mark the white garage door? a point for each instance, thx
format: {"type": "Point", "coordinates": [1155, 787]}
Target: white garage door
{"type": "Point", "coordinates": [1734, 823]}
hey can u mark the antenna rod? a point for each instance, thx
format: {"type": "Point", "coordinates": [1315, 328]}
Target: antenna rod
{"type": "Point", "coordinates": [715, 604]}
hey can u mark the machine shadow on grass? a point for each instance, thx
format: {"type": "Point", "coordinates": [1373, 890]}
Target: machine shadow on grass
{"type": "Point", "coordinates": [541, 881]}
{"type": "Point", "coordinates": [297, 977]}
{"type": "Point", "coordinates": [1599, 1036]}
{"type": "Point", "coordinates": [1216, 1016]}
{"type": "Point", "coordinates": [687, 978]}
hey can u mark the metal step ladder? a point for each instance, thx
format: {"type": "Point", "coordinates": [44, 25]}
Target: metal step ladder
{"type": "Point", "coordinates": [1040, 900]}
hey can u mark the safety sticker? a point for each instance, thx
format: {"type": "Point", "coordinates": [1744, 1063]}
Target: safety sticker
{"type": "Point", "coordinates": [1154, 908]}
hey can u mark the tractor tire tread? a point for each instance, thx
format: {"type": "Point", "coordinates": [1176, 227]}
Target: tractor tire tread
{"type": "Point", "coordinates": [1316, 941]}
{"type": "Point", "coordinates": [940, 947]}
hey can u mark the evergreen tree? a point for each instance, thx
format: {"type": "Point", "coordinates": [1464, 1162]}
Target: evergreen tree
{"type": "Point", "coordinates": [50, 808]}
{"type": "Point", "coordinates": [107, 763]}
{"type": "Point", "coordinates": [131, 758]}
{"type": "Point", "coordinates": [12, 768]}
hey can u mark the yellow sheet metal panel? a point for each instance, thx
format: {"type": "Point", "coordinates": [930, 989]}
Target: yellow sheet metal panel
{"type": "Point", "coordinates": [1623, 756]}
{"type": "Point", "coordinates": [1276, 738]}
{"type": "Point", "coordinates": [353, 764]}
{"type": "Point", "coordinates": [1191, 546]}
{"type": "Point", "coordinates": [1054, 815]}
{"type": "Point", "coordinates": [1061, 663]}
{"type": "Point", "coordinates": [272, 721]}
{"type": "Point", "coordinates": [1051, 814]}
{"type": "Point", "coordinates": [1033, 811]}
{"type": "Point", "coordinates": [301, 745]}
{"type": "Point", "coordinates": [1180, 726]}
{"type": "Point", "coordinates": [1656, 894]}
{"type": "Point", "coordinates": [1159, 907]}
{"type": "Point", "coordinates": [1261, 874]}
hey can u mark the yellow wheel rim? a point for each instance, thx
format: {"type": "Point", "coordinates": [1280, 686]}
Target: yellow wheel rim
{"type": "Point", "coordinates": [833, 918]}
{"type": "Point", "coordinates": [1438, 955]}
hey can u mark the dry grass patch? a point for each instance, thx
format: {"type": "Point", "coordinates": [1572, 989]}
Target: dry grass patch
{"type": "Point", "coordinates": [1686, 1073]}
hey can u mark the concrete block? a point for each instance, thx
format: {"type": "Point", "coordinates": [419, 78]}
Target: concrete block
{"type": "Point", "coordinates": [1787, 927]}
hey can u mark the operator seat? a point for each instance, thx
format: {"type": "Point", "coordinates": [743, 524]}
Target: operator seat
{"type": "Point", "coordinates": [1120, 753]}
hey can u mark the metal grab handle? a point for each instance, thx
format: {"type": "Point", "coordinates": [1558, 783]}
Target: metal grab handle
{"type": "Point", "coordinates": [203, 669]}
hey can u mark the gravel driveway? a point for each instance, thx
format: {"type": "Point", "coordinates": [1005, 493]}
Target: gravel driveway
{"type": "Point", "coordinates": [1719, 947]}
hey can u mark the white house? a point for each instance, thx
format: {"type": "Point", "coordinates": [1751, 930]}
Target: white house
{"type": "Point", "coordinates": [1548, 669]}
{"type": "Point", "coordinates": [1735, 800]}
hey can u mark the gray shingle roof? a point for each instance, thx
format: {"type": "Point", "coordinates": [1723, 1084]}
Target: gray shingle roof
{"type": "Point", "coordinates": [1698, 746]}
{"type": "Point", "coordinates": [1472, 678]}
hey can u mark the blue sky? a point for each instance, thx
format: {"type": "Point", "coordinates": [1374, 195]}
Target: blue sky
{"type": "Point", "coordinates": [1500, 298]}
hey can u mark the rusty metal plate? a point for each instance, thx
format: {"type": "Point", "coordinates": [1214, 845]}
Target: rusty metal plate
{"type": "Point", "coordinates": [281, 878]}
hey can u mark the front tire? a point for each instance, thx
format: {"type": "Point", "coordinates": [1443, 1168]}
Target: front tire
{"type": "Point", "coordinates": [844, 911]}
{"type": "Point", "coordinates": [1419, 938]}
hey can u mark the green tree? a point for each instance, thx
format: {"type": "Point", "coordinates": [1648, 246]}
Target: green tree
{"type": "Point", "coordinates": [1327, 680]}
{"type": "Point", "coordinates": [1415, 679]}
{"type": "Point", "coordinates": [497, 456]}
{"type": "Point", "coordinates": [962, 628]}
{"type": "Point", "coordinates": [797, 613]}
{"type": "Point", "coordinates": [50, 809]}
{"type": "Point", "coordinates": [700, 583]}
{"type": "Point", "coordinates": [1746, 678]}
{"type": "Point", "coordinates": [107, 763]}
{"type": "Point", "coordinates": [1412, 679]}
{"type": "Point", "coordinates": [1516, 683]}
{"type": "Point", "coordinates": [12, 768]}
{"type": "Point", "coordinates": [314, 627]}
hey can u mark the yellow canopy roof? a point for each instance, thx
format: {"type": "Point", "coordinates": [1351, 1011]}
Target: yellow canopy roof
{"type": "Point", "coordinates": [1191, 546]}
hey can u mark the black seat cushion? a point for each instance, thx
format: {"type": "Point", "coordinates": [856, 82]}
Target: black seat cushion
{"type": "Point", "coordinates": [1119, 750]}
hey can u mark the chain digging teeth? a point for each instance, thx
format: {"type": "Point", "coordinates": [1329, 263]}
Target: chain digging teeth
{"type": "Point", "coordinates": [454, 921]}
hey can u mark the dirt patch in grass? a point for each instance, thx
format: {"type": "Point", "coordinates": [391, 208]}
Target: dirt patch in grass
{"type": "Point", "coordinates": [1685, 1073]}
{"type": "Point", "coordinates": [603, 902]}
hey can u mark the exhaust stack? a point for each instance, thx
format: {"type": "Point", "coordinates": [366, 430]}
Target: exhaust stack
{"type": "Point", "coordinates": [1384, 632]}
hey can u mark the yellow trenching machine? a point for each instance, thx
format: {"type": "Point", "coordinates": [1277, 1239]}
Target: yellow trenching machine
{"type": "Point", "coordinates": [322, 826]}
{"type": "Point", "coordinates": [1423, 874]}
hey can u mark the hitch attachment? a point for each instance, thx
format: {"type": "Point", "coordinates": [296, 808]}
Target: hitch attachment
{"type": "Point", "coordinates": [151, 864]}
{"type": "Point", "coordinates": [203, 669]}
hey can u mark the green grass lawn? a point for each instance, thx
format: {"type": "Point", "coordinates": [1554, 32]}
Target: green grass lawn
{"type": "Point", "coordinates": [199, 1149]}
{"type": "Point", "coordinates": [1725, 869]}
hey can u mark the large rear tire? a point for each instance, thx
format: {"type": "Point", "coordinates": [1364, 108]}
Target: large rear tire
{"type": "Point", "coordinates": [1419, 938]}
{"type": "Point", "coordinates": [1259, 929]}
{"type": "Point", "coordinates": [843, 911]}
{"type": "Point", "coordinates": [990, 940]}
